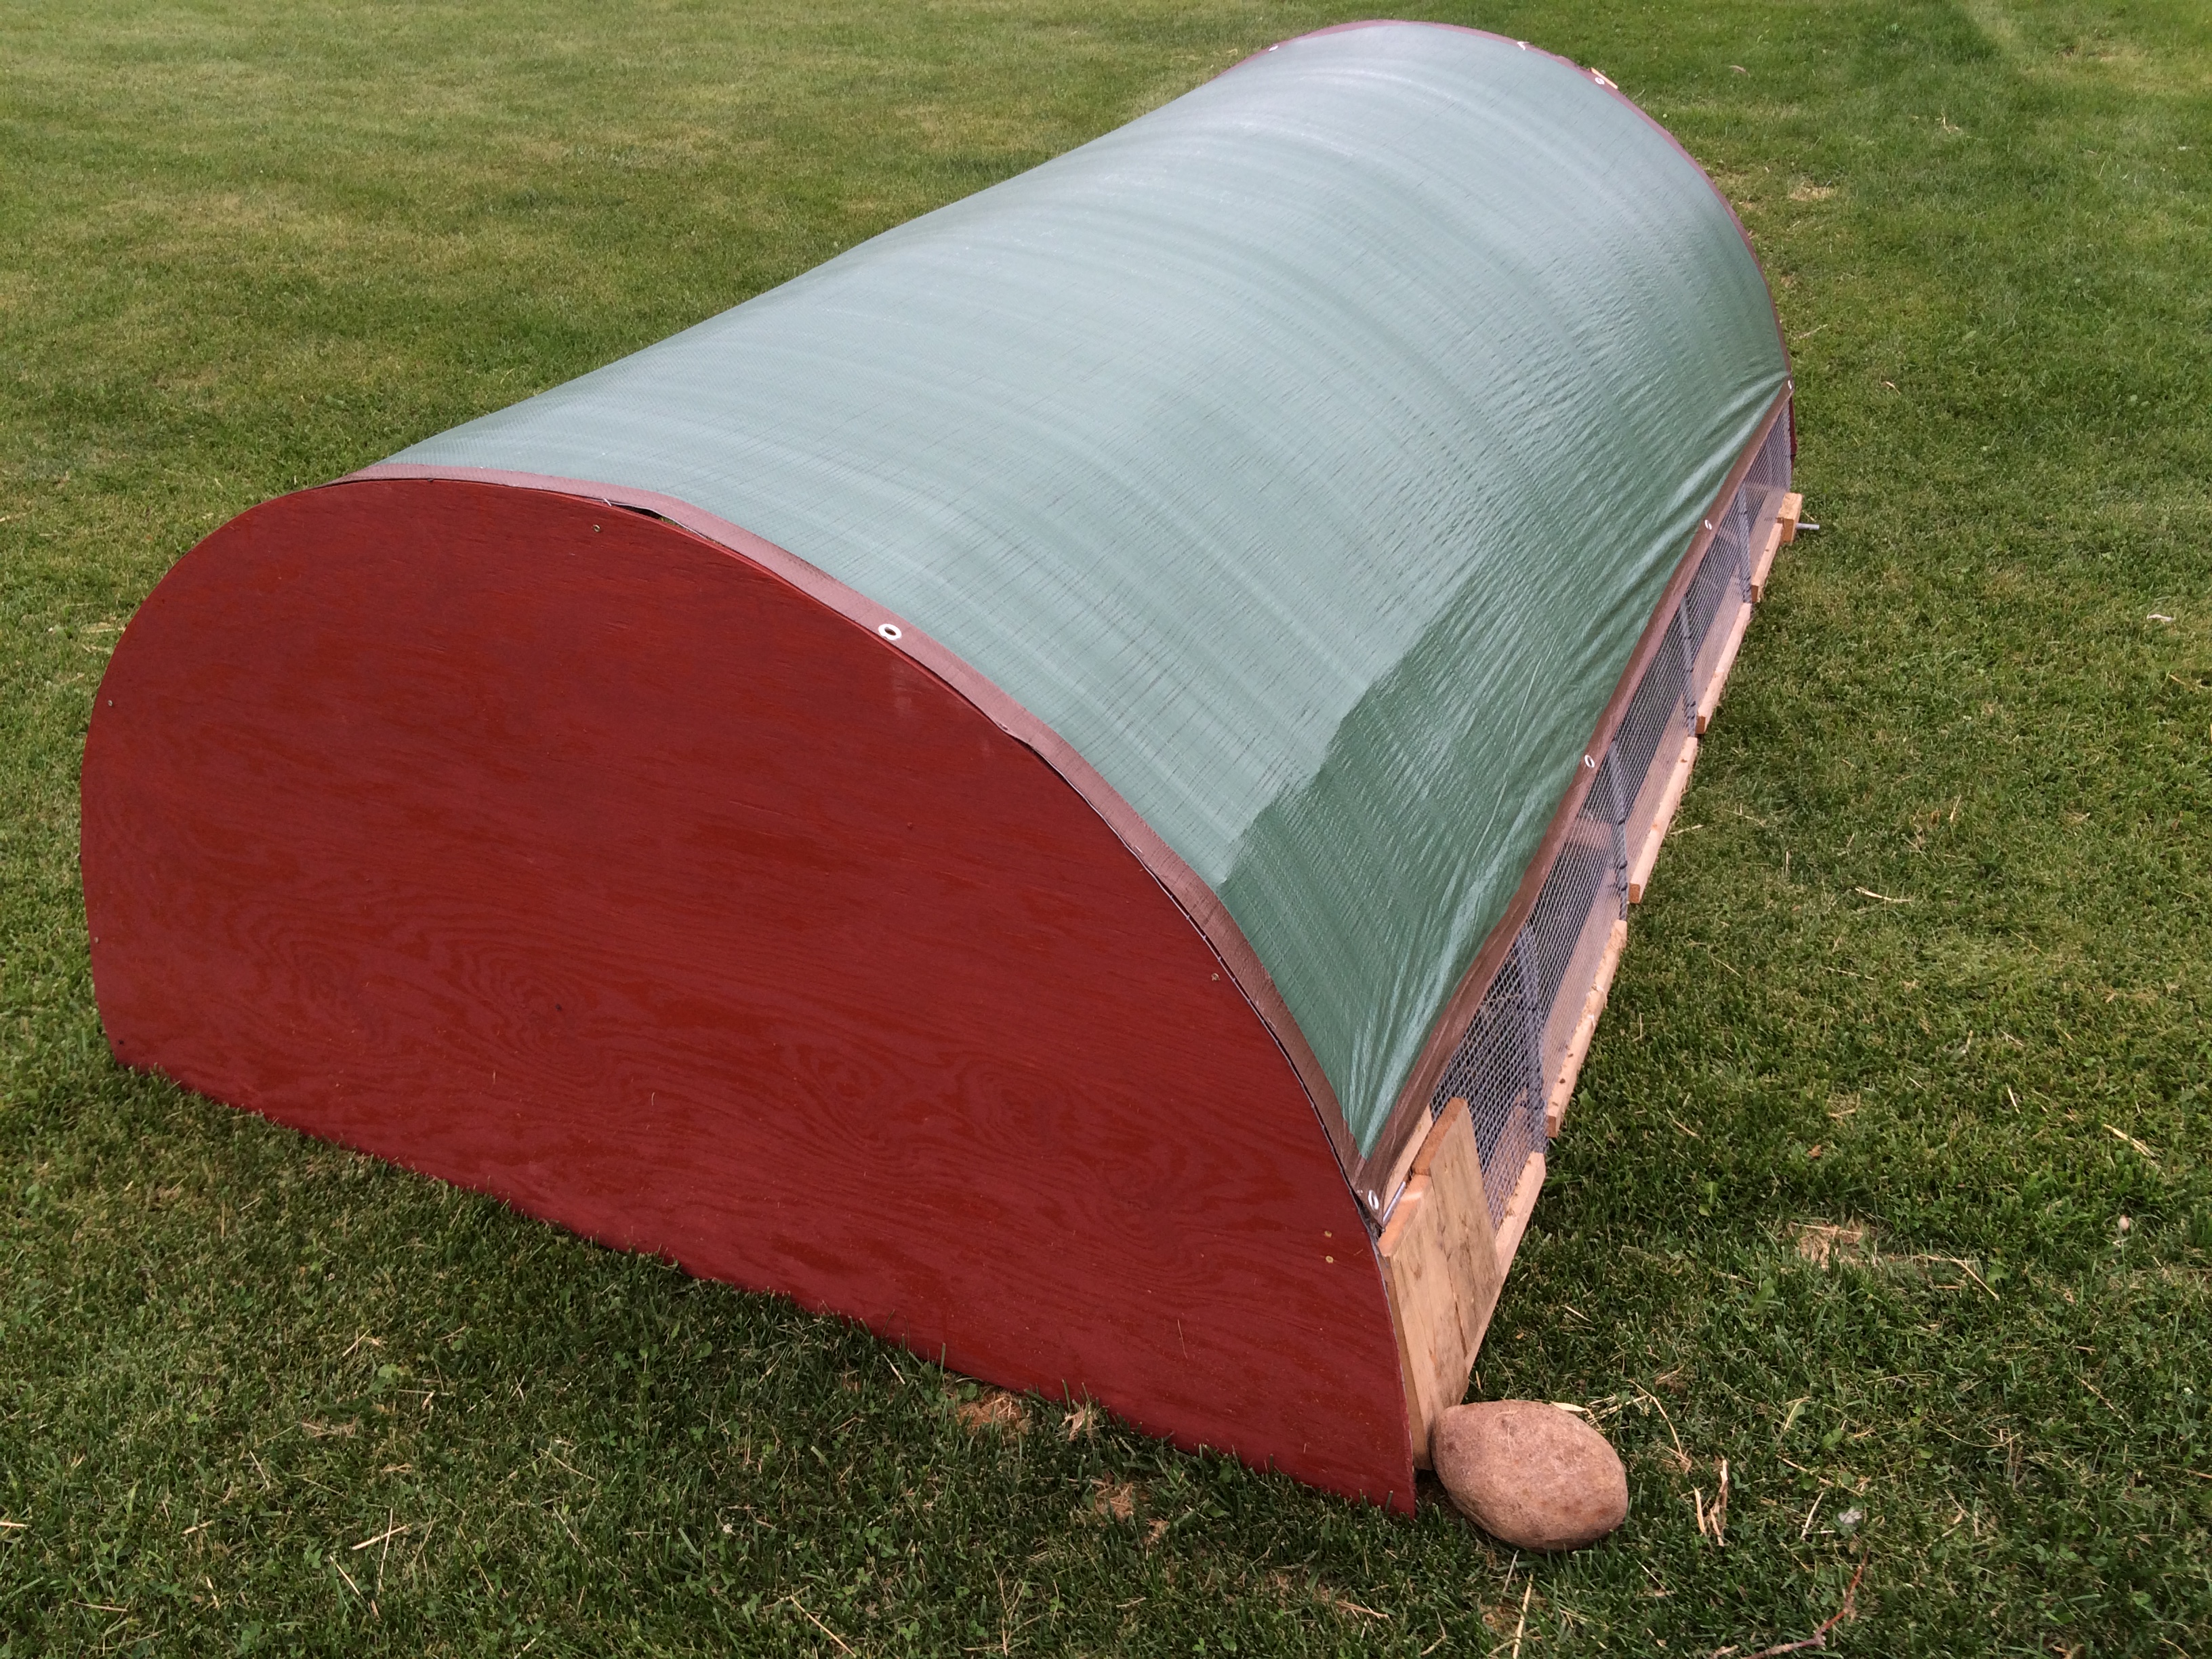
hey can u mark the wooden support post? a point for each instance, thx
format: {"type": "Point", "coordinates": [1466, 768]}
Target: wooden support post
{"type": "Point", "coordinates": [1571, 1067]}
{"type": "Point", "coordinates": [1401, 1172]}
{"type": "Point", "coordinates": [1442, 1271]}
{"type": "Point", "coordinates": [1764, 562]}
{"type": "Point", "coordinates": [1639, 868]}
{"type": "Point", "coordinates": [1785, 531]}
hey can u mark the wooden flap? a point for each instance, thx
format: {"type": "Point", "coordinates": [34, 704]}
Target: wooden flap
{"type": "Point", "coordinates": [1440, 1262]}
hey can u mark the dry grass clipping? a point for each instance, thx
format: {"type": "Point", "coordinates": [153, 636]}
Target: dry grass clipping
{"type": "Point", "coordinates": [1115, 1499]}
{"type": "Point", "coordinates": [993, 1409]}
{"type": "Point", "coordinates": [1823, 1244]}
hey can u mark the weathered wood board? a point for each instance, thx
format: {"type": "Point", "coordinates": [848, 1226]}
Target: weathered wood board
{"type": "Point", "coordinates": [1440, 1260]}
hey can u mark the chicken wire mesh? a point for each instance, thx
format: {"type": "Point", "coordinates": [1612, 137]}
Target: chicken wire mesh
{"type": "Point", "coordinates": [1515, 1045]}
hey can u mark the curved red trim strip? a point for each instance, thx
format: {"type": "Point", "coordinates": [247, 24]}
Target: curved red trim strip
{"type": "Point", "coordinates": [1191, 894]}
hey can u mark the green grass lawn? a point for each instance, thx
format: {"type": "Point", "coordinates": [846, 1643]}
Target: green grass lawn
{"type": "Point", "coordinates": [260, 1395]}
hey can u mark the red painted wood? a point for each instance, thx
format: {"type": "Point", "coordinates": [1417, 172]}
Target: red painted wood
{"type": "Point", "coordinates": [551, 849]}
{"type": "Point", "coordinates": [1199, 902]}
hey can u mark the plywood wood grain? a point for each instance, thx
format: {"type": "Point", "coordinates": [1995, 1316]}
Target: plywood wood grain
{"type": "Point", "coordinates": [548, 849]}
{"type": "Point", "coordinates": [1442, 1270]}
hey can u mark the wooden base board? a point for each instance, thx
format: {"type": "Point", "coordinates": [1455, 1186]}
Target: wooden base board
{"type": "Point", "coordinates": [1442, 1271]}
{"type": "Point", "coordinates": [1443, 1262]}
{"type": "Point", "coordinates": [1647, 856]}
{"type": "Point", "coordinates": [1731, 643]}
{"type": "Point", "coordinates": [1563, 1081]}
{"type": "Point", "coordinates": [1514, 1225]}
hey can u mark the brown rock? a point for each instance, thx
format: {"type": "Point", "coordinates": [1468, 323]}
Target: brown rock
{"type": "Point", "coordinates": [1530, 1475]}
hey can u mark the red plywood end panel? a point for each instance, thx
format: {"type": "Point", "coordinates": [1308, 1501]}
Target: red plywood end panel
{"type": "Point", "coordinates": [553, 850]}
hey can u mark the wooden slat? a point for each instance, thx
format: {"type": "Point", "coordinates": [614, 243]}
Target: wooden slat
{"type": "Point", "coordinates": [1518, 1209]}
{"type": "Point", "coordinates": [1709, 699]}
{"type": "Point", "coordinates": [1639, 871]}
{"type": "Point", "coordinates": [1764, 562]}
{"type": "Point", "coordinates": [1443, 1272]}
{"type": "Point", "coordinates": [1585, 964]}
{"type": "Point", "coordinates": [1411, 1309]}
{"type": "Point", "coordinates": [1443, 1262]}
{"type": "Point", "coordinates": [1401, 1173]}
{"type": "Point", "coordinates": [1784, 529]}
{"type": "Point", "coordinates": [1563, 1082]}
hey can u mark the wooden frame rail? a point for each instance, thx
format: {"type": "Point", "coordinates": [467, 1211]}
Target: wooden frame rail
{"type": "Point", "coordinates": [1444, 1262]}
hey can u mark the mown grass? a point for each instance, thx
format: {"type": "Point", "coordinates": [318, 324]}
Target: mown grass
{"type": "Point", "coordinates": [1913, 1019]}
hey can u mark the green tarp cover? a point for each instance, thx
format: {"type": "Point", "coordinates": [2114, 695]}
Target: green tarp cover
{"type": "Point", "coordinates": [1309, 453]}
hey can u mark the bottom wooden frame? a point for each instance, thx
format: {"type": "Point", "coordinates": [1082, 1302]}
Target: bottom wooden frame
{"type": "Point", "coordinates": [1444, 1261]}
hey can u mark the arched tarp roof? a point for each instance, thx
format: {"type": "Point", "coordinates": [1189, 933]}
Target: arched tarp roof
{"type": "Point", "coordinates": [1309, 454]}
